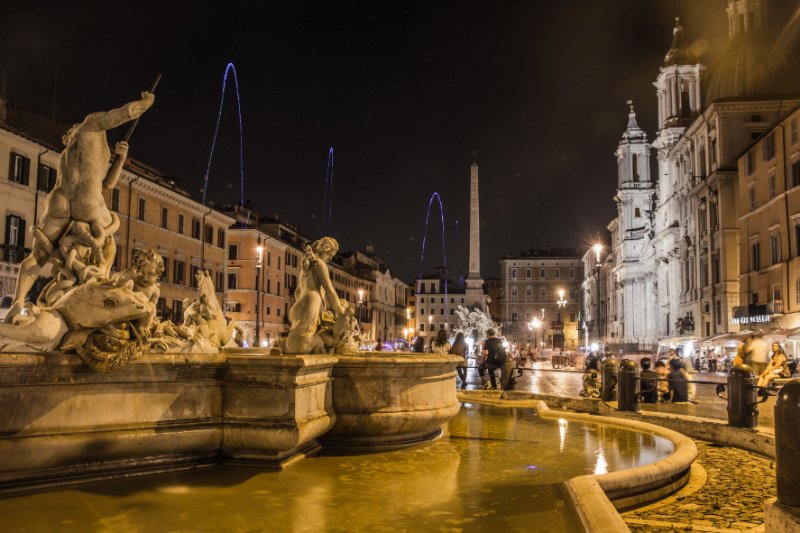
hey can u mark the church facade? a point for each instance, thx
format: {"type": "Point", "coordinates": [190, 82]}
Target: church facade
{"type": "Point", "coordinates": [671, 271]}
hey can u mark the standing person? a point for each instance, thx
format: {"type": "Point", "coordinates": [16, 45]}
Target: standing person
{"type": "Point", "coordinates": [778, 367]}
{"type": "Point", "coordinates": [678, 382]}
{"type": "Point", "coordinates": [493, 357]}
{"type": "Point", "coordinates": [649, 385]}
{"type": "Point", "coordinates": [440, 344]}
{"type": "Point", "coordinates": [712, 361]}
{"type": "Point", "coordinates": [460, 347]}
{"type": "Point", "coordinates": [419, 344]}
{"type": "Point", "coordinates": [663, 386]}
{"type": "Point", "coordinates": [759, 354]}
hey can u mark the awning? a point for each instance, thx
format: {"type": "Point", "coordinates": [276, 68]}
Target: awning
{"type": "Point", "coordinates": [722, 338]}
{"type": "Point", "coordinates": [678, 340]}
{"type": "Point", "coordinates": [782, 333]}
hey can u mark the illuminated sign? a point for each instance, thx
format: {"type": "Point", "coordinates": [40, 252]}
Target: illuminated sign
{"type": "Point", "coordinates": [755, 319]}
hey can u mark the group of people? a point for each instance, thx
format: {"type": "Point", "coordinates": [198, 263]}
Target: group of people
{"type": "Point", "coordinates": [492, 355]}
{"type": "Point", "coordinates": [768, 363]}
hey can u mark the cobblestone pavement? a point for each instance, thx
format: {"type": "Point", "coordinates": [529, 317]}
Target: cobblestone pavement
{"type": "Point", "coordinates": [567, 383]}
{"type": "Point", "coordinates": [728, 495]}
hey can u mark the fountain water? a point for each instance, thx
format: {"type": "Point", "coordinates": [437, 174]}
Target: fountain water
{"type": "Point", "coordinates": [327, 198]}
{"type": "Point", "coordinates": [438, 198]}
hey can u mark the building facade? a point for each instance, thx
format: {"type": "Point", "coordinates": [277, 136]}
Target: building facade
{"type": "Point", "coordinates": [672, 270]}
{"type": "Point", "coordinates": [541, 297]}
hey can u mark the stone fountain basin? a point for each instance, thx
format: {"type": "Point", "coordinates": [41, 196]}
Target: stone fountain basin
{"type": "Point", "coordinates": [61, 422]}
{"type": "Point", "coordinates": [387, 400]}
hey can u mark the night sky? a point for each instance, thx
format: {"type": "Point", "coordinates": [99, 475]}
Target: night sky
{"type": "Point", "coordinates": [403, 91]}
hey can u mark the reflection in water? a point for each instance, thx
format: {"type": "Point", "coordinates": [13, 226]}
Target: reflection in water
{"type": "Point", "coordinates": [499, 469]}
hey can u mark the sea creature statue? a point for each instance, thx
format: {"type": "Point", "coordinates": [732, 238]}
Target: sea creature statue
{"type": "Point", "coordinates": [315, 329]}
{"type": "Point", "coordinates": [97, 305]}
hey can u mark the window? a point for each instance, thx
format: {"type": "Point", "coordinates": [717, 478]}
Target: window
{"type": "Point", "coordinates": [161, 309]}
{"type": "Point", "coordinates": [572, 317]}
{"type": "Point", "coordinates": [220, 284]}
{"type": "Point", "coordinates": [195, 228]}
{"type": "Point", "coordinates": [513, 316]}
{"type": "Point", "coordinates": [750, 162]}
{"type": "Point", "coordinates": [193, 275]}
{"type": "Point", "coordinates": [209, 234]}
{"type": "Point", "coordinates": [268, 288]}
{"type": "Point", "coordinates": [542, 273]}
{"type": "Point", "coordinates": [558, 317]}
{"type": "Point", "coordinates": [513, 273]}
{"type": "Point", "coordinates": [221, 238]}
{"type": "Point", "coordinates": [232, 278]}
{"type": "Point", "coordinates": [422, 326]}
{"type": "Point", "coordinates": [46, 178]}
{"type": "Point", "coordinates": [637, 213]}
{"type": "Point", "coordinates": [751, 197]}
{"type": "Point", "coordinates": [572, 273]}
{"type": "Point", "coordinates": [422, 300]}
{"type": "Point", "coordinates": [180, 224]}
{"type": "Point", "coordinates": [719, 312]}
{"type": "Point", "coordinates": [278, 287]}
{"type": "Point", "coordinates": [775, 248]}
{"type": "Point", "coordinates": [269, 258]}
{"type": "Point", "coordinates": [772, 186]}
{"type": "Point", "coordinates": [115, 200]}
{"type": "Point", "coordinates": [755, 261]}
{"type": "Point", "coordinates": [164, 217]}
{"type": "Point", "coordinates": [542, 293]}
{"type": "Point", "coordinates": [795, 173]}
{"type": "Point", "coordinates": [15, 233]}
{"type": "Point", "coordinates": [768, 147]}
{"type": "Point", "coordinates": [558, 273]}
{"type": "Point", "coordinates": [715, 269]}
{"type": "Point", "coordinates": [528, 273]}
{"type": "Point", "coordinates": [279, 262]}
{"type": "Point", "coordinates": [177, 310]}
{"type": "Point", "coordinates": [178, 273]}
{"type": "Point", "coordinates": [165, 260]}
{"type": "Point", "coordinates": [233, 252]}
{"type": "Point", "coordinates": [142, 205]}
{"type": "Point", "coordinates": [528, 294]}
{"type": "Point", "coordinates": [442, 311]}
{"type": "Point", "coordinates": [19, 168]}
{"type": "Point", "coordinates": [269, 310]}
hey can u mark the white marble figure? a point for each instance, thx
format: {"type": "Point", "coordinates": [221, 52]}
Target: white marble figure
{"type": "Point", "coordinates": [314, 294]}
{"type": "Point", "coordinates": [77, 313]}
{"type": "Point", "coordinates": [83, 174]}
{"type": "Point", "coordinates": [474, 322]}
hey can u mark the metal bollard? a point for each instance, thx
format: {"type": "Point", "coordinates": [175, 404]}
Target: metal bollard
{"type": "Point", "coordinates": [787, 444]}
{"type": "Point", "coordinates": [608, 392]}
{"type": "Point", "coordinates": [507, 377]}
{"type": "Point", "coordinates": [628, 386]}
{"type": "Point", "coordinates": [742, 398]}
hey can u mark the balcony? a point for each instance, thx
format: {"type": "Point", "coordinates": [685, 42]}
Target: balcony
{"type": "Point", "coordinates": [775, 307]}
{"type": "Point", "coordinates": [753, 314]}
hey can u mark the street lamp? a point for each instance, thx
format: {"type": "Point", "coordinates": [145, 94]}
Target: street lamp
{"type": "Point", "coordinates": [598, 248]}
{"type": "Point", "coordinates": [534, 326]}
{"type": "Point", "coordinates": [561, 303]}
{"type": "Point", "coordinates": [430, 331]}
{"type": "Point", "coordinates": [259, 256]}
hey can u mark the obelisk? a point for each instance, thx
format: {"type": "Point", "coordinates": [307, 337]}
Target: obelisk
{"type": "Point", "coordinates": [473, 293]}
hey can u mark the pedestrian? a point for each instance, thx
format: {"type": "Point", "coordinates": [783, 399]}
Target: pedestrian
{"type": "Point", "coordinates": [493, 355]}
{"type": "Point", "coordinates": [440, 344]}
{"type": "Point", "coordinates": [712, 361]}
{"type": "Point", "coordinates": [419, 344]}
{"type": "Point", "coordinates": [591, 379]}
{"type": "Point", "coordinates": [678, 382]}
{"type": "Point", "coordinates": [759, 354]}
{"type": "Point", "coordinates": [663, 386]}
{"type": "Point", "coordinates": [460, 348]}
{"type": "Point", "coordinates": [778, 367]}
{"type": "Point", "coordinates": [378, 346]}
{"type": "Point", "coordinates": [697, 360]}
{"type": "Point", "coordinates": [649, 385]}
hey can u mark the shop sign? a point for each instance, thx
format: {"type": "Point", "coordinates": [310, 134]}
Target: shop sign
{"type": "Point", "coordinates": [755, 319]}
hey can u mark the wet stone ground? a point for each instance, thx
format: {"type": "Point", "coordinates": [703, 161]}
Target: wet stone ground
{"type": "Point", "coordinates": [731, 499]}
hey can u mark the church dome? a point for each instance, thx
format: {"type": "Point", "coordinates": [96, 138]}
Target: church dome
{"type": "Point", "coordinates": [751, 65]}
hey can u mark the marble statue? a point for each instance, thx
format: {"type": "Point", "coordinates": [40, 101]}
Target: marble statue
{"type": "Point", "coordinates": [107, 319]}
{"type": "Point", "coordinates": [76, 207]}
{"type": "Point", "coordinates": [320, 321]}
{"type": "Point", "coordinates": [474, 322]}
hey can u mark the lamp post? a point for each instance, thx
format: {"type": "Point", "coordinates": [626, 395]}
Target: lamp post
{"type": "Point", "coordinates": [561, 303]}
{"type": "Point", "coordinates": [259, 256]}
{"type": "Point", "coordinates": [534, 326]}
{"type": "Point", "coordinates": [598, 249]}
{"type": "Point", "coordinates": [430, 331]}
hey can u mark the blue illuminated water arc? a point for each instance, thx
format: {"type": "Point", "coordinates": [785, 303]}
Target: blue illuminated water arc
{"type": "Point", "coordinates": [229, 68]}
{"type": "Point", "coordinates": [327, 197]}
{"type": "Point", "coordinates": [425, 239]}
